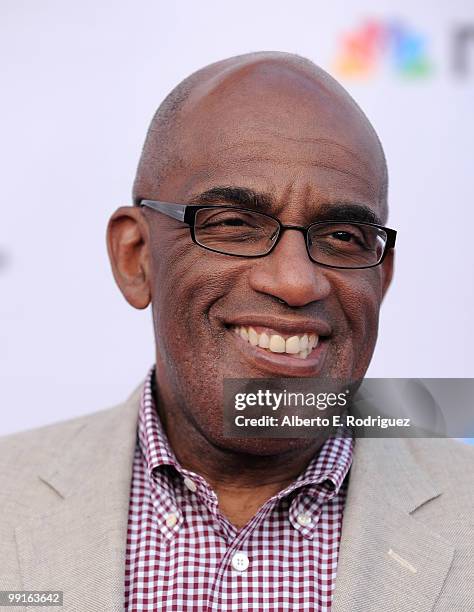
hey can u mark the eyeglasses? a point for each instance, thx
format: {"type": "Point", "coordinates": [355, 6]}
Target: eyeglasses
{"type": "Point", "coordinates": [242, 232]}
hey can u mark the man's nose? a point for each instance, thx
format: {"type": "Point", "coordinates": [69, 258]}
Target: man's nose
{"type": "Point", "coordinates": [288, 274]}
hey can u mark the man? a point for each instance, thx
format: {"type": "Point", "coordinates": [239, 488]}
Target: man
{"type": "Point", "coordinates": [149, 503]}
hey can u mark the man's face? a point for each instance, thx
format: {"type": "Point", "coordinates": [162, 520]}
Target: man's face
{"type": "Point", "coordinates": [305, 154]}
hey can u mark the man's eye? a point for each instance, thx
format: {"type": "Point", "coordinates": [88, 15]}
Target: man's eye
{"type": "Point", "coordinates": [228, 221]}
{"type": "Point", "coordinates": [232, 222]}
{"type": "Point", "coordinates": [342, 239]}
{"type": "Point", "coordinates": [345, 236]}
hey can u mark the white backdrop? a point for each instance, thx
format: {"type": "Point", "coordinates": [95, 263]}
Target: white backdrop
{"type": "Point", "coordinates": [80, 82]}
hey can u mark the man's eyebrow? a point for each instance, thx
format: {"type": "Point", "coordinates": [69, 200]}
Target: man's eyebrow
{"type": "Point", "coordinates": [348, 211]}
{"type": "Point", "coordinates": [248, 198]}
{"type": "Point", "coordinates": [239, 196]}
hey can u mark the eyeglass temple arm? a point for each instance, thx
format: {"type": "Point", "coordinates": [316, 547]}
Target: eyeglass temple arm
{"type": "Point", "coordinates": [175, 211]}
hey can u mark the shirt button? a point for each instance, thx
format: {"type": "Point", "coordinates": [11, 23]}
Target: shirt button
{"type": "Point", "coordinates": [171, 520]}
{"type": "Point", "coordinates": [304, 519]}
{"type": "Point", "coordinates": [240, 562]}
{"type": "Point", "coordinates": [190, 484]}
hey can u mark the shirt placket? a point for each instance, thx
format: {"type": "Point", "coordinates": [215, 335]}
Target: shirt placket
{"type": "Point", "coordinates": [235, 569]}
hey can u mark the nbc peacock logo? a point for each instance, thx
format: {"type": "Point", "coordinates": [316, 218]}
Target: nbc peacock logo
{"type": "Point", "coordinates": [378, 46]}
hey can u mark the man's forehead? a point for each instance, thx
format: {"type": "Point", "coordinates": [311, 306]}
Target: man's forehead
{"type": "Point", "coordinates": [253, 117]}
{"type": "Point", "coordinates": [275, 98]}
{"type": "Point", "coordinates": [272, 112]}
{"type": "Point", "coordinates": [277, 164]}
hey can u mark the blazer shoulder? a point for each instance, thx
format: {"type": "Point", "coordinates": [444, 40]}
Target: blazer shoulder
{"type": "Point", "coordinates": [29, 449]}
{"type": "Point", "coordinates": [447, 460]}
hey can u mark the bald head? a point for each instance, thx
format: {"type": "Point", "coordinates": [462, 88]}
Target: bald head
{"type": "Point", "coordinates": [234, 102]}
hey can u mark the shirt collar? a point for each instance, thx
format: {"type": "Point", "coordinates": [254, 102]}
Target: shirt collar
{"type": "Point", "coordinates": [152, 438]}
{"type": "Point", "coordinates": [329, 467]}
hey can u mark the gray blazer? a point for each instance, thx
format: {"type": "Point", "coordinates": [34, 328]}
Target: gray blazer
{"type": "Point", "coordinates": [407, 540]}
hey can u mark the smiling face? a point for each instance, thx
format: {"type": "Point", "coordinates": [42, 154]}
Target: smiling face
{"type": "Point", "coordinates": [280, 139]}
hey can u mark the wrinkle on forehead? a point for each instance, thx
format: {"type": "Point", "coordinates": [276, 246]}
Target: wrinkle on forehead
{"type": "Point", "coordinates": [239, 102]}
{"type": "Point", "coordinates": [324, 153]}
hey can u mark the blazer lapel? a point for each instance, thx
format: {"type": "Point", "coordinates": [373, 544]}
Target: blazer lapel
{"type": "Point", "coordinates": [78, 546]}
{"type": "Point", "coordinates": [388, 560]}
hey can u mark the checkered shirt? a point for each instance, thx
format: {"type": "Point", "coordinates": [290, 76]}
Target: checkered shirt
{"type": "Point", "coordinates": [183, 554]}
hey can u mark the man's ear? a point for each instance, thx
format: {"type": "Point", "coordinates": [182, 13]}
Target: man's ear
{"type": "Point", "coordinates": [387, 271]}
{"type": "Point", "coordinates": [128, 247]}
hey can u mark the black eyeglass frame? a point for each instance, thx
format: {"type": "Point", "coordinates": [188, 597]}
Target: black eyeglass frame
{"type": "Point", "coordinates": [186, 213]}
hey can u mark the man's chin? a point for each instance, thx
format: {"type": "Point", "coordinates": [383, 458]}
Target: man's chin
{"type": "Point", "coordinates": [263, 447]}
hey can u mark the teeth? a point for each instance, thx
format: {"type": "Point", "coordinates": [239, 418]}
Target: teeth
{"type": "Point", "coordinates": [277, 344]}
{"type": "Point", "coordinates": [253, 336]}
{"type": "Point", "coordinates": [292, 345]}
{"type": "Point", "coordinates": [299, 346]}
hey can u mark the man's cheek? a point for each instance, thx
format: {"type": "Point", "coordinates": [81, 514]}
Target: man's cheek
{"type": "Point", "coordinates": [362, 313]}
{"type": "Point", "coordinates": [359, 301]}
{"type": "Point", "coordinates": [364, 324]}
{"type": "Point", "coordinates": [184, 328]}
{"type": "Point", "coordinates": [360, 296]}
